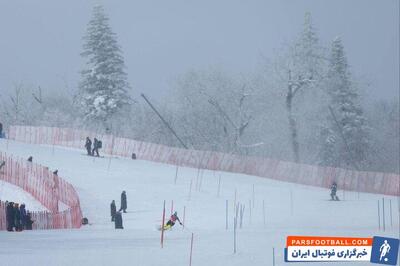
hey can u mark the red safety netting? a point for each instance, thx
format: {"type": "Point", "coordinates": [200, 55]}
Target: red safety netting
{"type": "Point", "coordinates": [372, 182]}
{"type": "Point", "coordinates": [47, 188]}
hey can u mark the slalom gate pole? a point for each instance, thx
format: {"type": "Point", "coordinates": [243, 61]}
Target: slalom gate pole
{"type": "Point", "coordinates": [234, 203]}
{"type": "Point", "coordinates": [379, 215]}
{"type": "Point", "coordinates": [391, 215]}
{"type": "Point", "coordinates": [162, 227]}
{"type": "Point", "coordinates": [190, 189]}
{"type": "Point", "coordinates": [273, 256]}
{"type": "Point", "coordinates": [183, 220]}
{"type": "Point", "coordinates": [172, 207]}
{"type": "Point", "coordinates": [253, 196]}
{"type": "Point", "coordinates": [264, 212]}
{"type": "Point", "coordinates": [201, 179]}
{"type": "Point", "coordinates": [197, 178]}
{"type": "Point", "coordinates": [219, 185]}
{"type": "Point", "coordinates": [234, 235]}
{"type": "Point", "coordinates": [291, 202]}
{"type": "Point", "coordinates": [250, 211]}
{"type": "Point", "coordinates": [191, 251]}
{"type": "Point", "coordinates": [176, 174]}
{"type": "Point", "coordinates": [383, 214]}
{"type": "Point", "coordinates": [226, 217]}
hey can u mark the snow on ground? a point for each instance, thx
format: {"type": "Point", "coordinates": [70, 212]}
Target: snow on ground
{"type": "Point", "coordinates": [291, 209]}
{"type": "Point", "coordinates": [10, 192]}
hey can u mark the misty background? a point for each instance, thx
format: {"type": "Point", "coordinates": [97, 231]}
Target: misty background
{"type": "Point", "coordinates": [174, 49]}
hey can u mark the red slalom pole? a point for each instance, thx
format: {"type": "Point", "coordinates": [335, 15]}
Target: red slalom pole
{"type": "Point", "coordinates": [162, 227]}
{"type": "Point", "coordinates": [191, 251]}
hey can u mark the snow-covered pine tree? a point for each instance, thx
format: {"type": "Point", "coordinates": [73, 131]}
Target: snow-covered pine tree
{"type": "Point", "coordinates": [305, 70]}
{"type": "Point", "coordinates": [103, 90]}
{"type": "Point", "coordinates": [345, 138]}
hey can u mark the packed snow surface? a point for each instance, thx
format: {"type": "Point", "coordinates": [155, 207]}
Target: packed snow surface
{"type": "Point", "coordinates": [290, 209]}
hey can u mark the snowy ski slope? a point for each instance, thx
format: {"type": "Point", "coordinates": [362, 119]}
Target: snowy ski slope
{"type": "Point", "coordinates": [291, 209]}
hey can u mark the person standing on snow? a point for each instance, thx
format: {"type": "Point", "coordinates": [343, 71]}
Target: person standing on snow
{"type": "Point", "coordinates": [333, 191]}
{"type": "Point", "coordinates": [23, 216]}
{"type": "Point", "coordinates": [124, 203]}
{"type": "Point", "coordinates": [88, 146]}
{"type": "Point", "coordinates": [17, 218]}
{"type": "Point", "coordinates": [96, 146]}
{"type": "Point", "coordinates": [172, 221]}
{"type": "Point", "coordinates": [113, 210]}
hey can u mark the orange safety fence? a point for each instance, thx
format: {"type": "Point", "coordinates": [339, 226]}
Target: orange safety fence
{"type": "Point", "coordinates": [371, 182]}
{"type": "Point", "coordinates": [47, 188]}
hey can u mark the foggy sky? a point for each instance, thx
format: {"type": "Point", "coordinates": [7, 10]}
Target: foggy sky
{"type": "Point", "coordinates": [41, 41]}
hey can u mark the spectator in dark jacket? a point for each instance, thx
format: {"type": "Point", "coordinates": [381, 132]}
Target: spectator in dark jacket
{"type": "Point", "coordinates": [113, 210]}
{"type": "Point", "coordinates": [10, 217]}
{"type": "Point", "coordinates": [124, 203]}
{"type": "Point", "coordinates": [23, 216]}
{"type": "Point", "coordinates": [29, 221]}
{"type": "Point", "coordinates": [17, 217]}
{"type": "Point", "coordinates": [88, 146]}
{"type": "Point", "coordinates": [96, 146]}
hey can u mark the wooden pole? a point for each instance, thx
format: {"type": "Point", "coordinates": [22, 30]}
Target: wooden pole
{"type": "Point", "coordinates": [162, 227]}
{"type": "Point", "coordinates": [191, 251]}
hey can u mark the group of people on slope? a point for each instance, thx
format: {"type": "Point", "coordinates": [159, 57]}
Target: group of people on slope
{"type": "Point", "coordinates": [116, 216]}
{"type": "Point", "coordinates": [17, 217]}
{"type": "Point", "coordinates": [97, 144]}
